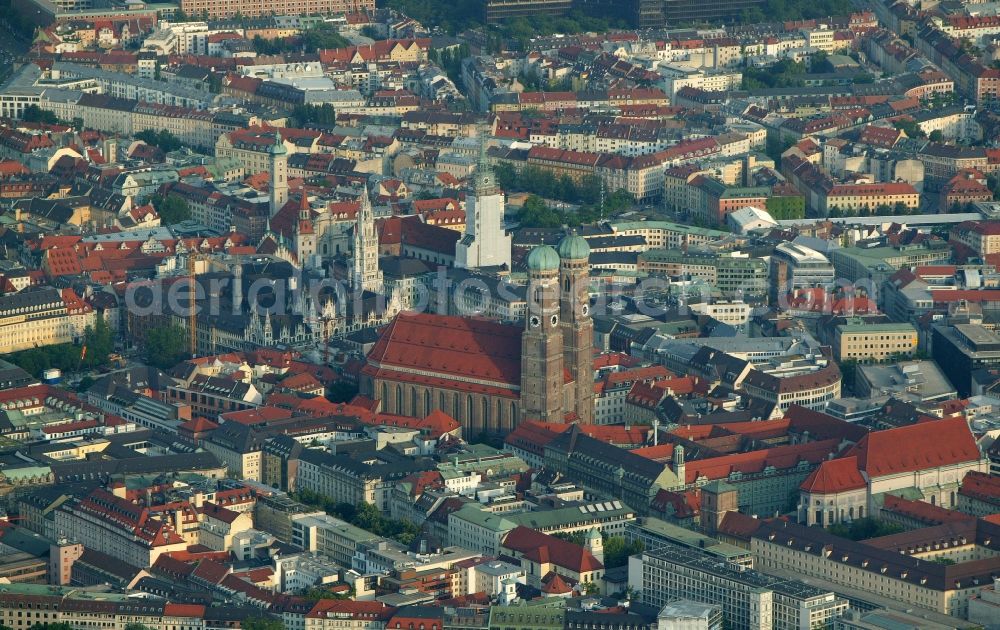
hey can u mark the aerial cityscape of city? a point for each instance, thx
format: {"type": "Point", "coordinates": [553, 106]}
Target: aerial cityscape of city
{"type": "Point", "coordinates": [500, 315]}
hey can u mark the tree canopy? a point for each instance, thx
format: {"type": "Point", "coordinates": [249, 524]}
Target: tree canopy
{"type": "Point", "coordinates": [162, 139]}
{"type": "Point", "coordinates": [172, 208]}
{"type": "Point", "coordinates": [166, 346]}
{"type": "Point", "coordinates": [261, 623]}
{"type": "Point", "coordinates": [33, 113]}
{"type": "Point", "coordinates": [363, 515]}
{"type": "Point", "coordinates": [69, 357]}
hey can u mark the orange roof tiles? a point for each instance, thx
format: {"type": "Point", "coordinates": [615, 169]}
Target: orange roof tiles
{"type": "Point", "coordinates": [544, 549]}
{"type": "Point", "coordinates": [454, 347]}
{"type": "Point", "coordinates": [916, 447]}
{"type": "Point", "coordinates": [834, 476]}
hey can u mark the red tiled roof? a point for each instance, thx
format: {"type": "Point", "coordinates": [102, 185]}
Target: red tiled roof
{"type": "Point", "coordinates": [982, 486]}
{"type": "Point", "coordinates": [835, 475]}
{"type": "Point", "coordinates": [923, 512]}
{"type": "Point", "coordinates": [337, 608]}
{"type": "Point", "coordinates": [183, 610]}
{"type": "Point", "coordinates": [780, 457]}
{"type": "Point", "coordinates": [544, 549]}
{"type": "Point", "coordinates": [454, 347]}
{"type": "Point", "coordinates": [532, 436]}
{"type": "Point", "coordinates": [916, 447]}
{"type": "Point", "coordinates": [556, 585]}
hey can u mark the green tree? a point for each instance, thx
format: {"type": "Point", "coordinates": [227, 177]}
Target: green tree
{"type": "Point", "coordinates": [909, 127]}
{"type": "Point", "coordinates": [262, 623]}
{"type": "Point", "coordinates": [341, 391]}
{"type": "Point", "coordinates": [936, 136]}
{"type": "Point", "coordinates": [317, 593]}
{"type": "Point", "coordinates": [577, 538]}
{"type": "Point", "coordinates": [166, 346]}
{"type": "Point", "coordinates": [33, 113]}
{"type": "Point", "coordinates": [99, 341]}
{"type": "Point", "coordinates": [617, 551]}
{"type": "Point", "coordinates": [163, 139]}
{"type": "Point", "coordinates": [172, 209]}
{"type": "Point", "coordinates": [323, 36]}
{"type": "Point", "coordinates": [865, 528]}
{"type": "Point", "coordinates": [535, 213]}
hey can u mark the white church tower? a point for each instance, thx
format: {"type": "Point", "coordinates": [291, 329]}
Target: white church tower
{"type": "Point", "coordinates": [279, 173]}
{"type": "Point", "coordinates": [485, 242]}
{"type": "Point", "coordinates": [366, 276]}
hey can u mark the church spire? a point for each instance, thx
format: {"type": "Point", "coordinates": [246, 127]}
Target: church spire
{"type": "Point", "coordinates": [366, 274]}
{"type": "Point", "coordinates": [279, 173]}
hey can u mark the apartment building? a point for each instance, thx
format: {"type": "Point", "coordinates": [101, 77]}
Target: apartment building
{"type": "Point", "coordinates": [366, 478]}
{"type": "Point", "coordinates": [859, 341]}
{"type": "Point", "coordinates": [982, 237]}
{"type": "Point", "coordinates": [858, 197]}
{"type": "Point", "coordinates": [217, 9]}
{"type": "Point", "coordinates": [211, 396]}
{"type": "Point", "coordinates": [716, 200]}
{"type": "Point", "coordinates": [902, 567]}
{"type": "Point", "coordinates": [26, 605]}
{"type": "Point", "coordinates": [239, 447]}
{"type": "Point", "coordinates": [330, 537]}
{"type": "Point", "coordinates": [667, 235]}
{"type": "Point", "coordinates": [104, 522]}
{"type": "Point", "coordinates": [810, 382]}
{"type": "Point", "coordinates": [750, 600]}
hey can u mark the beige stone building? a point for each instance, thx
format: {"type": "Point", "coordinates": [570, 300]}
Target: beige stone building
{"type": "Point", "coordinates": [929, 459]}
{"type": "Point", "coordinates": [935, 568]}
{"type": "Point", "coordinates": [862, 342]}
{"type": "Point", "coordinates": [31, 319]}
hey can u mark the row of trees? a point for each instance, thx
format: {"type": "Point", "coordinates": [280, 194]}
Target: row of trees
{"type": "Point", "coordinates": [323, 114]}
{"type": "Point", "coordinates": [450, 61]}
{"type": "Point", "coordinates": [364, 515]}
{"type": "Point", "coordinates": [913, 130]}
{"type": "Point", "coordinates": [594, 203]}
{"type": "Point", "coordinates": [454, 17]}
{"type": "Point", "coordinates": [162, 139]}
{"type": "Point", "coordinates": [541, 182]}
{"type": "Point", "coordinates": [616, 549]}
{"type": "Point", "coordinates": [865, 528]}
{"type": "Point", "coordinates": [788, 10]}
{"type": "Point", "coordinates": [68, 357]}
{"type": "Point", "coordinates": [166, 346]}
